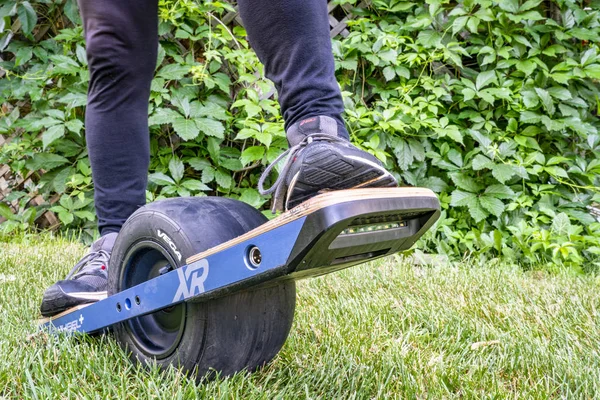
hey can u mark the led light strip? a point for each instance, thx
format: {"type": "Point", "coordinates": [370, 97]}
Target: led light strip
{"type": "Point", "coordinates": [373, 228]}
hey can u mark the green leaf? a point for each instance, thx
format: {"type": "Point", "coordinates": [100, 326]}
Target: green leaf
{"type": "Point", "coordinates": [182, 103]}
{"type": "Point", "coordinates": [264, 137]}
{"type": "Point", "coordinates": [560, 93]}
{"type": "Point", "coordinates": [561, 224]}
{"type": "Point", "coordinates": [51, 134]}
{"type": "Point", "coordinates": [59, 182]}
{"type": "Point", "coordinates": [468, 94]}
{"type": "Point", "coordinates": [530, 98]}
{"type": "Point", "coordinates": [480, 162]}
{"type": "Point", "coordinates": [459, 23]}
{"type": "Point", "coordinates": [195, 185]}
{"type": "Point", "coordinates": [499, 192]}
{"type": "Point", "coordinates": [252, 197]}
{"type": "Point", "coordinates": [208, 109]}
{"type": "Point", "coordinates": [73, 99]}
{"type": "Point", "coordinates": [74, 125]}
{"type": "Point", "coordinates": [465, 182]}
{"type": "Point", "coordinates": [476, 210]}
{"type": "Point", "coordinates": [417, 149]}
{"type": "Point", "coordinates": [487, 96]}
{"type": "Point", "coordinates": [251, 108]}
{"type": "Point", "coordinates": [526, 67]}
{"type": "Point", "coordinates": [176, 169]}
{"type": "Point", "coordinates": [556, 171]}
{"type": "Point", "coordinates": [81, 55]}
{"type": "Point", "coordinates": [485, 78]}
{"type": "Point", "coordinates": [389, 55]}
{"type": "Point", "coordinates": [199, 164]}
{"type": "Point", "coordinates": [402, 71]}
{"type": "Point", "coordinates": [214, 149]}
{"type": "Point", "coordinates": [568, 110]}
{"type": "Point", "coordinates": [434, 183]}
{"type": "Point", "coordinates": [581, 216]}
{"type": "Point", "coordinates": [23, 55]}
{"type": "Point", "coordinates": [66, 217]}
{"type": "Point", "coordinates": [27, 16]}
{"type": "Point", "coordinates": [585, 34]}
{"type": "Point", "coordinates": [208, 175]}
{"type": "Point", "coordinates": [223, 81]}
{"type": "Point", "coordinates": [557, 160]}
{"type": "Point", "coordinates": [498, 240]}
{"type": "Point", "coordinates": [64, 65]}
{"type": "Point", "coordinates": [483, 140]}
{"type": "Point", "coordinates": [592, 71]}
{"type": "Point", "coordinates": [210, 127]}
{"type": "Point", "coordinates": [546, 100]}
{"type": "Point", "coordinates": [187, 129]}
{"type": "Point", "coordinates": [163, 116]}
{"type": "Point", "coordinates": [503, 172]}
{"type": "Point", "coordinates": [456, 157]}
{"type": "Point", "coordinates": [402, 6]}
{"type": "Point", "coordinates": [487, 60]}
{"type": "Point", "coordinates": [529, 4]}
{"type": "Point", "coordinates": [173, 71]}
{"type": "Point", "coordinates": [83, 214]}
{"type": "Point", "coordinates": [6, 212]}
{"type": "Point", "coordinates": [348, 64]}
{"type": "Point", "coordinates": [509, 5]}
{"type": "Point", "coordinates": [530, 117]}
{"type": "Point", "coordinates": [492, 204]}
{"type": "Point", "coordinates": [72, 12]}
{"type": "Point", "coordinates": [389, 73]}
{"type": "Point", "coordinates": [161, 179]}
{"type": "Point", "coordinates": [527, 142]}
{"type": "Point", "coordinates": [552, 125]}
{"type": "Point", "coordinates": [223, 179]}
{"type": "Point", "coordinates": [429, 38]}
{"type": "Point", "coordinates": [47, 161]}
{"type": "Point", "coordinates": [251, 154]}
{"type": "Point", "coordinates": [403, 154]}
{"type": "Point", "coordinates": [473, 24]}
{"type": "Point", "coordinates": [460, 198]}
{"type": "Point", "coordinates": [500, 93]}
{"type": "Point", "coordinates": [454, 133]}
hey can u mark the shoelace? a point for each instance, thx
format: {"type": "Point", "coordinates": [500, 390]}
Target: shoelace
{"type": "Point", "coordinates": [91, 261]}
{"type": "Point", "coordinates": [280, 187]}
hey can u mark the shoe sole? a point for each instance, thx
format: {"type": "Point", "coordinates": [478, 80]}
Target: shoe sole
{"type": "Point", "coordinates": [63, 301]}
{"type": "Point", "coordinates": [343, 172]}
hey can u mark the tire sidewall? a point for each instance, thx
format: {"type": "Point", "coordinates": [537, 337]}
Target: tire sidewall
{"type": "Point", "coordinates": [143, 226]}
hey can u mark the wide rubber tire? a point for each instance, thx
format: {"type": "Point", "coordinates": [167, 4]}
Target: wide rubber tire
{"type": "Point", "coordinates": [243, 330]}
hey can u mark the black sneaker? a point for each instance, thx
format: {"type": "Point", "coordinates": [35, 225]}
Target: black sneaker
{"type": "Point", "coordinates": [320, 160]}
{"type": "Point", "coordinates": [86, 283]}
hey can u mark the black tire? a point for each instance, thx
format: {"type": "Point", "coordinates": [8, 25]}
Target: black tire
{"type": "Point", "coordinates": [243, 330]}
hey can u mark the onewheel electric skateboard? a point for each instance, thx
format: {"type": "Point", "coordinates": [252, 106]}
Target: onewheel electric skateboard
{"type": "Point", "coordinates": [208, 283]}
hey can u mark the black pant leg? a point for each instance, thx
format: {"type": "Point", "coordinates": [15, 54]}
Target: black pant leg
{"type": "Point", "coordinates": [122, 43]}
{"type": "Point", "coordinates": [291, 38]}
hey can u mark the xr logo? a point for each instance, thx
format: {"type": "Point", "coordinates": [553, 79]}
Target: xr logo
{"type": "Point", "coordinates": [191, 280]}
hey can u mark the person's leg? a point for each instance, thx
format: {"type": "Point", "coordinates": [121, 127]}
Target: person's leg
{"type": "Point", "coordinates": [122, 43]}
{"type": "Point", "coordinates": [291, 38]}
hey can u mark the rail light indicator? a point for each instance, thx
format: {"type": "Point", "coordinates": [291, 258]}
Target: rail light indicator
{"type": "Point", "coordinates": [373, 227]}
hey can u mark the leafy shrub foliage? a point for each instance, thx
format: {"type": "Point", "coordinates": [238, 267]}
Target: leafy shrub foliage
{"type": "Point", "coordinates": [492, 104]}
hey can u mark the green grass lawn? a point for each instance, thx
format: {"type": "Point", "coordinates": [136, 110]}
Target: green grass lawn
{"type": "Point", "coordinates": [381, 330]}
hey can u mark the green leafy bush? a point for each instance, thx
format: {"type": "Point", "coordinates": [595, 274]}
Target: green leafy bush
{"type": "Point", "coordinates": [492, 104]}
